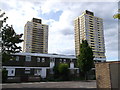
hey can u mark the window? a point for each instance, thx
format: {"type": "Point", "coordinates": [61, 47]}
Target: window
{"type": "Point", "coordinates": [43, 59]}
{"type": "Point", "coordinates": [53, 59]}
{"type": "Point", "coordinates": [17, 58]}
{"type": "Point", "coordinates": [28, 58]}
{"type": "Point", "coordinates": [60, 60]}
{"type": "Point", "coordinates": [27, 70]}
{"type": "Point", "coordinates": [11, 59]}
{"type": "Point", "coordinates": [37, 72]}
{"type": "Point", "coordinates": [64, 60]}
{"type": "Point", "coordinates": [38, 59]}
{"type": "Point", "coordinates": [11, 72]}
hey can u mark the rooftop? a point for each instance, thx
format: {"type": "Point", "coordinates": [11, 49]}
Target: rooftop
{"type": "Point", "coordinates": [47, 55]}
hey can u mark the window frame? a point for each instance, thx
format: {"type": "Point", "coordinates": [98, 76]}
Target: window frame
{"type": "Point", "coordinates": [17, 58]}
{"type": "Point", "coordinates": [28, 58]}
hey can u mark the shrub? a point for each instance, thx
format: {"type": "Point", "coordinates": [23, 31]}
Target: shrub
{"type": "Point", "coordinates": [4, 75]}
{"type": "Point", "coordinates": [64, 71]}
{"type": "Point", "coordinates": [56, 72]}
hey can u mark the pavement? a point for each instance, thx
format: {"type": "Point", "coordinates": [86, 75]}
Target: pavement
{"type": "Point", "coordinates": [65, 84]}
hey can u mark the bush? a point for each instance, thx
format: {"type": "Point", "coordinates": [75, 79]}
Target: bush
{"type": "Point", "coordinates": [61, 72]}
{"type": "Point", "coordinates": [56, 72]}
{"type": "Point", "coordinates": [64, 71]}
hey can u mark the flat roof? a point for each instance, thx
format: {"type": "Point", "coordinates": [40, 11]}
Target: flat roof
{"type": "Point", "coordinates": [47, 55]}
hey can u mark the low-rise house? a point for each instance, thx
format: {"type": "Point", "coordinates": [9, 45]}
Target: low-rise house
{"type": "Point", "coordinates": [34, 66]}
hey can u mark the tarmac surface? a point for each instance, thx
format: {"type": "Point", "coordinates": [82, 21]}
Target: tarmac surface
{"type": "Point", "coordinates": [36, 85]}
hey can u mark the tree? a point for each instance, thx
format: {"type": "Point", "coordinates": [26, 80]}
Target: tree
{"type": "Point", "coordinates": [117, 15]}
{"type": "Point", "coordinates": [9, 42]}
{"type": "Point", "coordinates": [9, 39]}
{"type": "Point", "coordinates": [3, 19]}
{"type": "Point", "coordinates": [85, 59]}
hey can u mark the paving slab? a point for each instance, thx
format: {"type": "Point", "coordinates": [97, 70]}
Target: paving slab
{"type": "Point", "coordinates": [65, 84]}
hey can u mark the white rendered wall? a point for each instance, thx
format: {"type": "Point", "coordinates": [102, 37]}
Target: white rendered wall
{"type": "Point", "coordinates": [71, 65]}
{"type": "Point", "coordinates": [43, 74]}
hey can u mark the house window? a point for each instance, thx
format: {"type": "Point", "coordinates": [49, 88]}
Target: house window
{"type": "Point", "coordinates": [37, 72]}
{"type": "Point", "coordinates": [71, 60]}
{"type": "Point", "coordinates": [53, 59]}
{"type": "Point", "coordinates": [17, 58]}
{"type": "Point", "coordinates": [64, 60]}
{"type": "Point", "coordinates": [11, 72]}
{"type": "Point", "coordinates": [38, 59]}
{"type": "Point", "coordinates": [11, 59]}
{"type": "Point", "coordinates": [43, 59]}
{"type": "Point", "coordinates": [27, 70]}
{"type": "Point", "coordinates": [28, 58]}
{"type": "Point", "coordinates": [60, 60]}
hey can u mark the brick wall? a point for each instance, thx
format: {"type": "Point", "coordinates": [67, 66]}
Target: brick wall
{"type": "Point", "coordinates": [103, 75]}
{"type": "Point", "coordinates": [107, 74]}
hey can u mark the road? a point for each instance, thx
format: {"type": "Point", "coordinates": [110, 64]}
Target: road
{"type": "Point", "coordinates": [66, 84]}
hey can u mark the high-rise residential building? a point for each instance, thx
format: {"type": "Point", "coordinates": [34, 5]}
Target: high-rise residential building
{"type": "Point", "coordinates": [35, 37]}
{"type": "Point", "coordinates": [89, 27]}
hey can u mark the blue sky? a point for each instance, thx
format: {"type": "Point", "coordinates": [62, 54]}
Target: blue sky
{"type": "Point", "coordinates": [52, 15]}
{"type": "Point", "coordinates": [59, 15]}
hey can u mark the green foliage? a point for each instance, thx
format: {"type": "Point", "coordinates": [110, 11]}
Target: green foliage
{"type": "Point", "coordinates": [56, 72]}
{"type": "Point", "coordinates": [4, 75]}
{"type": "Point", "coordinates": [3, 19]}
{"type": "Point", "coordinates": [63, 68]}
{"type": "Point", "coordinates": [61, 72]}
{"type": "Point", "coordinates": [85, 59]}
{"type": "Point", "coordinates": [64, 71]}
{"type": "Point", "coordinates": [6, 57]}
{"type": "Point", "coordinates": [116, 16]}
{"type": "Point", "coordinates": [9, 42]}
{"type": "Point", "coordinates": [9, 39]}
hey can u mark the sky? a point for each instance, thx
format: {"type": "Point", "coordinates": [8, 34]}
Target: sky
{"type": "Point", "coordinates": [60, 15]}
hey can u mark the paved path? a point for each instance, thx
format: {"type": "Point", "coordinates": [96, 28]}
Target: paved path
{"type": "Point", "coordinates": [66, 84]}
